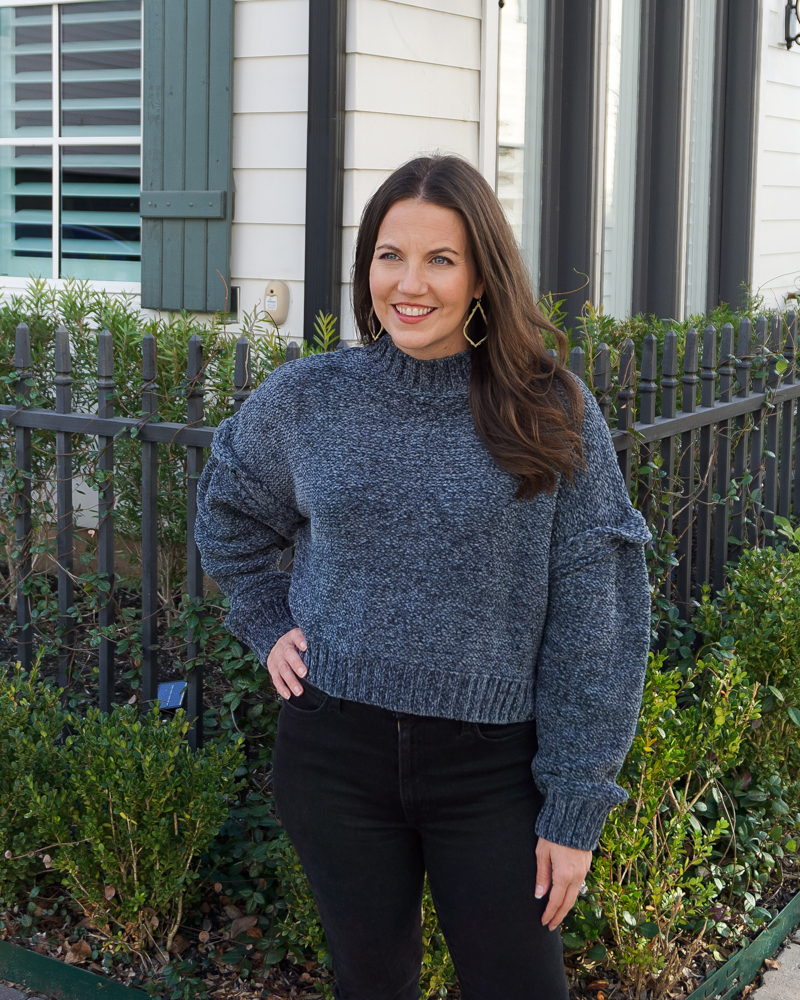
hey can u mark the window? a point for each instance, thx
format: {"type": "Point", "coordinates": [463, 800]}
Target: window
{"type": "Point", "coordinates": [619, 175]}
{"type": "Point", "coordinates": [520, 115]}
{"type": "Point", "coordinates": [70, 140]}
{"type": "Point", "coordinates": [702, 36]}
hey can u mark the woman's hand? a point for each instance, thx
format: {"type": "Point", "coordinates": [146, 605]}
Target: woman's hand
{"type": "Point", "coordinates": [285, 664]}
{"type": "Point", "coordinates": [561, 870]}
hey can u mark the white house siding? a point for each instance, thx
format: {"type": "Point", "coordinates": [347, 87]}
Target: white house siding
{"type": "Point", "coordinates": [413, 86]}
{"type": "Point", "coordinates": [776, 218]}
{"type": "Point", "coordinates": [270, 87]}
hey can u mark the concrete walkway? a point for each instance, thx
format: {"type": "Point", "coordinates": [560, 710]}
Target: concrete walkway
{"type": "Point", "coordinates": [783, 983]}
{"type": "Point", "coordinates": [7, 993]}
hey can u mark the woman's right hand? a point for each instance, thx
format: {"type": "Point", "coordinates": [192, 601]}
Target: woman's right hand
{"type": "Point", "coordinates": [285, 664]}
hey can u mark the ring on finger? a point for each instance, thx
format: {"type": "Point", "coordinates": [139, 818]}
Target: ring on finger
{"type": "Point", "coordinates": [584, 888]}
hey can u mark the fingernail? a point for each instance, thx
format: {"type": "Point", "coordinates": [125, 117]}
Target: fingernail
{"type": "Point", "coordinates": [302, 672]}
{"type": "Point", "coordinates": [539, 892]}
{"type": "Point", "coordinates": [303, 645]}
{"type": "Point", "coordinates": [298, 691]}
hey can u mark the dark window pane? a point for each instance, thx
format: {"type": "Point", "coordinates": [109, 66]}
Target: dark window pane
{"type": "Point", "coordinates": [33, 119]}
{"type": "Point", "coordinates": [33, 92]}
{"type": "Point", "coordinates": [131, 152]}
{"type": "Point", "coordinates": [33, 63]}
{"type": "Point", "coordinates": [101, 89]}
{"type": "Point", "coordinates": [100, 31]}
{"type": "Point", "coordinates": [108, 7]}
{"type": "Point", "coordinates": [101, 119]}
{"type": "Point", "coordinates": [122, 59]}
{"type": "Point", "coordinates": [32, 34]}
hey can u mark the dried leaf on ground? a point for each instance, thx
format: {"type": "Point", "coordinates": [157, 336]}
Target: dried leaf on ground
{"type": "Point", "coordinates": [771, 963]}
{"type": "Point", "coordinates": [241, 924]}
{"type": "Point", "coordinates": [79, 952]}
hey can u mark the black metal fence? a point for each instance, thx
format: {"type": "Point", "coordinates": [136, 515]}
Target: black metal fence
{"type": "Point", "coordinates": [713, 473]}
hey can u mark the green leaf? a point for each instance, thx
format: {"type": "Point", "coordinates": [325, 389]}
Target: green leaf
{"type": "Point", "coordinates": [573, 941]}
{"type": "Point", "coordinates": [596, 953]}
{"type": "Point", "coordinates": [629, 918]}
{"type": "Point", "coordinates": [794, 715]}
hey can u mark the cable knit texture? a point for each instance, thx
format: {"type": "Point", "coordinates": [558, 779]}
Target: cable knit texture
{"type": "Point", "coordinates": [421, 584]}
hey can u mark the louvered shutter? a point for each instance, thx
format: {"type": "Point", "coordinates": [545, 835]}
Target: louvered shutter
{"type": "Point", "coordinates": [187, 180]}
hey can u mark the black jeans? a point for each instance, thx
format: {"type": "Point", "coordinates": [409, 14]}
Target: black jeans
{"type": "Point", "coordinates": [371, 800]}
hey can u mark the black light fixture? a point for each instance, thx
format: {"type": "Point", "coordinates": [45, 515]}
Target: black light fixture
{"type": "Point", "coordinates": [792, 23]}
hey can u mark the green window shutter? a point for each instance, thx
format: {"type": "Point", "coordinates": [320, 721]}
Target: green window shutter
{"type": "Point", "coordinates": [187, 178]}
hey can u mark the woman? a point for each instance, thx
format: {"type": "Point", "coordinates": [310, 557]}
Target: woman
{"type": "Point", "coordinates": [460, 647]}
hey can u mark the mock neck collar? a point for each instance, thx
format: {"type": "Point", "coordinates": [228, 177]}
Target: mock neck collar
{"type": "Point", "coordinates": [439, 375]}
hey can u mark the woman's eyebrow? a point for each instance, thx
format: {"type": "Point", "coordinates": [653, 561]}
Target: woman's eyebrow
{"type": "Point", "coordinates": [431, 253]}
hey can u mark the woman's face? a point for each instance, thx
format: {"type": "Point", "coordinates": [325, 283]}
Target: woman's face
{"type": "Point", "coordinates": [423, 279]}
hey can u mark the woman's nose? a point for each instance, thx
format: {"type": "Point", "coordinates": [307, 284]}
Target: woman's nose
{"type": "Point", "coordinates": [412, 282]}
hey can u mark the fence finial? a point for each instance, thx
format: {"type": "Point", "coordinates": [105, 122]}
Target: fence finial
{"type": "Point", "coordinates": [647, 383]}
{"type": "Point", "coordinates": [22, 347]}
{"type": "Point", "coordinates": [577, 363]}
{"type": "Point", "coordinates": [669, 372]}
{"type": "Point", "coordinates": [63, 358]}
{"type": "Point", "coordinates": [690, 366]}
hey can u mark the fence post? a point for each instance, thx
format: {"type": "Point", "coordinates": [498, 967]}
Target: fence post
{"type": "Point", "coordinates": [64, 514]}
{"type": "Point", "coordinates": [708, 374]}
{"type": "Point", "coordinates": [242, 375]}
{"type": "Point", "coordinates": [723, 477]}
{"type": "Point", "coordinates": [743, 367]}
{"type": "Point", "coordinates": [787, 421]}
{"type": "Point", "coordinates": [686, 511]}
{"type": "Point", "coordinates": [194, 569]}
{"type": "Point", "coordinates": [647, 415]}
{"type": "Point", "coordinates": [669, 404]}
{"type": "Point", "coordinates": [149, 528]}
{"type": "Point", "coordinates": [757, 437]}
{"type": "Point", "coordinates": [771, 454]}
{"type": "Point", "coordinates": [625, 404]}
{"type": "Point", "coordinates": [22, 439]}
{"type": "Point", "coordinates": [602, 380]}
{"type": "Point", "coordinates": [106, 389]}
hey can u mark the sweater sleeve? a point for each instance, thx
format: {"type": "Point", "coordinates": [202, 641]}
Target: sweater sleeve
{"type": "Point", "coordinates": [594, 651]}
{"type": "Point", "coordinates": [246, 515]}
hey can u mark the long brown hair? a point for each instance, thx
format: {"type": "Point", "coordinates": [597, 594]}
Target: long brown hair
{"type": "Point", "coordinates": [526, 407]}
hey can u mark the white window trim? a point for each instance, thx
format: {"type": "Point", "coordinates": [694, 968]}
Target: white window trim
{"type": "Point", "coordinates": [490, 91]}
{"type": "Point", "coordinates": [55, 142]}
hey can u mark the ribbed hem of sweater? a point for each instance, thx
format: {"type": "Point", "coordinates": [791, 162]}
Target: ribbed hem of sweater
{"type": "Point", "coordinates": [416, 690]}
{"type": "Point", "coordinates": [571, 821]}
{"type": "Point", "coordinates": [442, 376]}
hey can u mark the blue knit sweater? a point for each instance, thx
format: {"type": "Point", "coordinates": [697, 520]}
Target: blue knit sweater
{"type": "Point", "coordinates": [420, 583]}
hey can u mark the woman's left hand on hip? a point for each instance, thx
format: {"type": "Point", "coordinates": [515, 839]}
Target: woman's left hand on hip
{"type": "Point", "coordinates": [561, 870]}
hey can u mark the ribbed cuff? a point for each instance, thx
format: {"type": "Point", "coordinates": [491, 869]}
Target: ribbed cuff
{"type": "Point", "coordinates": [260, 627]}
{"type": "Point", "coordinates": [572, 822]}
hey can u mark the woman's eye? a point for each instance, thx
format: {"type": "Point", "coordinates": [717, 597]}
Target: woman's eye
{"type": "Point", "coordinates": [389, 255]}
{"type": "Point", "coordinates": [441, 260]}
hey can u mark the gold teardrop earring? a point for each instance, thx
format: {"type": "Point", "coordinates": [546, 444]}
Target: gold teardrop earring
{"type": "Point", "coordinates": [371, 332]}
{"type": "Point", "coordinates": [469, 319]}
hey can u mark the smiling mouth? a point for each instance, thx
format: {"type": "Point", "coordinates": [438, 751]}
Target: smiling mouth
{"type": "Point", "coordinates": [405, 310]}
